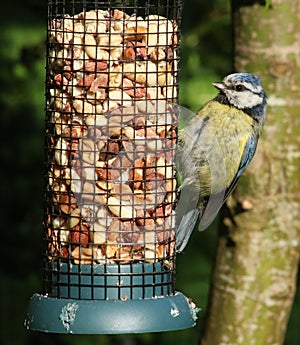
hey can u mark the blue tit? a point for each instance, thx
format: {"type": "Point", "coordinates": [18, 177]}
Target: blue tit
{"type": "Point", "coordinates": [215, 147]}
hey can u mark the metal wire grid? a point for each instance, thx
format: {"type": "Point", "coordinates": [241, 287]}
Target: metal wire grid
{"type": "Point", "coordinates": [116, 282]}
{"type": "Point", "coordinates": [167, 8]}
{"type": "Point", "coordinates": [111, 137]}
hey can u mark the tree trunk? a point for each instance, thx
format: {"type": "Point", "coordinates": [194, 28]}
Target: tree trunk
{"type": "Point", "coordinates": [254, 278]}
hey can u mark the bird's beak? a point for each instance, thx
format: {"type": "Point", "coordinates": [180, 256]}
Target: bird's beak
{"type": "Point", "coordinates": [219, 86]}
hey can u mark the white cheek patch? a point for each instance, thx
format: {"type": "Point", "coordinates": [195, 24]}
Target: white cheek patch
{"type": "Point", "coordinates": [249, 99]}
{"type": "Point", "coordinates": [245, 99]}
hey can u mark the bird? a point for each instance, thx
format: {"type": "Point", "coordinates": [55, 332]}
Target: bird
{"type": "Point", "coordinates": [214, 148]}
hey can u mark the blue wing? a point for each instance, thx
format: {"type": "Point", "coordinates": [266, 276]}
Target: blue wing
{"type": "Point", "coordinates": [207, 213]}
{"type": "Point", "coordinates": [247, 156]}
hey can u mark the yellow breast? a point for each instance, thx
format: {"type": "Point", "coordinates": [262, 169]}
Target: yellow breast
{"type": "Point", "coordinates": [221, 143]}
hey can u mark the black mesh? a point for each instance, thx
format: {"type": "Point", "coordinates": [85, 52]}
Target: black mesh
{"type": "Point", "coordinates": [111, 131]}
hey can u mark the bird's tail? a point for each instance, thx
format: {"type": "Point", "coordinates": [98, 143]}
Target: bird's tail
{"type": "Point", "coordinates": [185, 228]}
{"type": "Point", "coordinates": [191, 214]}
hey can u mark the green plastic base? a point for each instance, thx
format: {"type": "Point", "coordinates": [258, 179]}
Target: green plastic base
{"type": "Point", "coordinates": [75, 316]}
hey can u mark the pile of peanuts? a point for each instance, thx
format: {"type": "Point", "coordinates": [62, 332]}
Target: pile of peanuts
{"type": "Point", "coordinates": [112, 134]}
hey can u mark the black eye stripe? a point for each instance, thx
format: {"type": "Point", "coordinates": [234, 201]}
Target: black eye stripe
{"type": "Point", "coordinates": [239, 87]}
{"type": "Point", "coordinates": [244, 88]}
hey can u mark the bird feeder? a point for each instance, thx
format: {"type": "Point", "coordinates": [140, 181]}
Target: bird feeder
{"type": "Point", "coordinates": [110, 191]}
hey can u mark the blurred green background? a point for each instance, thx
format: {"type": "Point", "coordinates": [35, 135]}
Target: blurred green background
{"type": "Point", "coordinates": [205, 57]}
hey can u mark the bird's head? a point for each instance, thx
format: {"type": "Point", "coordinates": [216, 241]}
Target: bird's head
{"type": "Point", "coordinates": [243, 91]}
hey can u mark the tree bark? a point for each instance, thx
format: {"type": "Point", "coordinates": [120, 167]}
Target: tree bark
{"type": "Point", "coordinates": [254, 278]}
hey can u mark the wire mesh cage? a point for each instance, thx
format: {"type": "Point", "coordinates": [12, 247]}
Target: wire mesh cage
{"type": "Point", "coordinates": [110, 196]}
